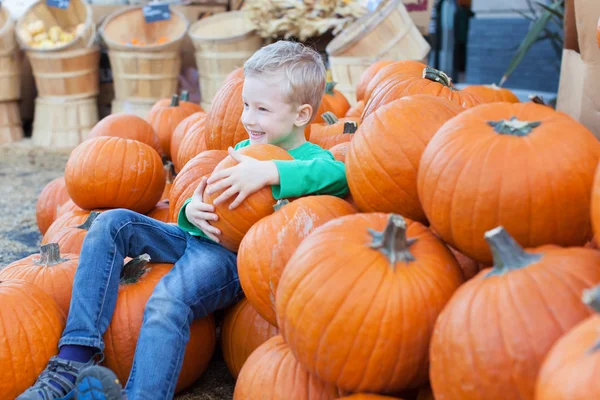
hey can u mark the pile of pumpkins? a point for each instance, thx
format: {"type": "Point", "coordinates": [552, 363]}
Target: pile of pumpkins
{"type": "Point", "coordinates": [461, 265]}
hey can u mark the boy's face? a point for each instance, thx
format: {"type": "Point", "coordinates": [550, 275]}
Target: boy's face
{"type": "Point", "coordinates": [267, 116]}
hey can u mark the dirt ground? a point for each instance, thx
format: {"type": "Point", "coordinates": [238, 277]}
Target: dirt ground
{"type": "Point", "coordinates": [24, 171]}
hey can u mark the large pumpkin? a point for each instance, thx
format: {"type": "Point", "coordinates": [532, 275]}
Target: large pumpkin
{"type": "Point", "coordinates": [374, 284]}
{"type": "Point", "coordinates": [224, 126]}
{"type": "Point", "coordinates": [492, 93]}
{"type": "Point", "coordinates": [367, 76]}
{"type": "Point", "coordinates": [407, 67]}
{"type": "Point", "coordinates": [333, 131]}
{"type": "Point", "coordinates": [127, 126]}
{"type": "Point", "coordinates": [110, 172]}
{"type": "Point", "coordinates": [269, 244]}
{"type": "Point", "coordinates": [243, 330]}
{"type": "Point", "coordinates": [31, 324]}
{"type": "Point", "coordinates": [189, 177]}
{"type": "Point", "coordinates": [185, 127]}
{"type": "Point", "coordinates": [53, 196]}
{"type": "Point", "coordinates": [165, 119]}
{"type": "Point", "coordinates": [272, 372]}
{"type": "Point", "coordinates": [49, 270]}
{"type": "Point", "coordinates": [570, 370]}
{"type": "Point", "coordinates": [381, 180]}
{"type": "Point", "coordinates": [507, 318]}
{"type": "Point", "coordinates": [136, 286]}
{"type": "Point", "coordinates": [71, 237]}
{"type": "Point", "coordinates": [433, 82]}
{"type": "Point", "coordinates": [332, 101]}
{"type": "Point", "coordinates": [499, 164]}
{"type": "Point", "coordinates": [193, 143]}
{"type": "Point", "coordinates": [234, 224]}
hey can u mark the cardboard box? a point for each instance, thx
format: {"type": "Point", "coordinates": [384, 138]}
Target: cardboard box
{"type": "Point", "coordinates": [579, 88]}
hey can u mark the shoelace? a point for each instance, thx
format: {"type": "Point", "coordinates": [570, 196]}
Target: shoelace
{"type": "Point", "coordinates": [52, 374]}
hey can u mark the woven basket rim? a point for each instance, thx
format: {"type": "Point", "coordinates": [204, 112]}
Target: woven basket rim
{"type": "Point", "coordinates": [228, 15]}
{"type": "Point", "coordinates": [10, 22]}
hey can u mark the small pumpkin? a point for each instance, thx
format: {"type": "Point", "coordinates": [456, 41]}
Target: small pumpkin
{"type": "Point", "coordinates": [137, 282]}
{"type": "Point", "coordinates": [186, 126]}
{"type": "Point", "coordinates": [193, 143]}
{"type": "Point", "coordinates": [333, 131]}
{"type": "Point", "coordinates": [70, 238]}
{"type": "Point", "coordinates": [492, 93]}
{"type": "Point", "coordinates": [333, 101]}
{"type": "Point", "coordinates": [405, 67]}
{"type": "Point", "coordinates": [374, 284]}
{"type": "Point", "coordinates": [356, 110]}
{"type": "Point", "coordinates": [183, 102]}
{"type": "Point", "coordinates": [50, 270]}
{"type": "Point", "coordinates": [95, 179]}
{"type": "Point", "coordinates": [127, 126]}
{"type": "Point", "coordinates": [513, 314]}
{"type": "Point", "coordinates": [52, 197]}
{"type": "Point", "coordinates": [234, 224]}
{"type": "Point", "coordinates": [243, 330]}
{"type": "Point", "coordinates": [269, 244]}
{"type": "Point", "coordinates": [224, 123]}
{"type": "Point", "coordinates": [367, 76]}
{"type": "Point", "coordinates": [161, 211]}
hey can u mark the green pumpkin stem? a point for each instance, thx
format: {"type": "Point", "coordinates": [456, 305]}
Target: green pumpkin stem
{"type": "Point", "coordinates": [185, 95]}
{"type": "Point", "coordinates": [508, 254]}
{"type": "Point", "coordinates": [50, 255]}
{"type": "Point", "coordinates": [437, 76]}
{"type": "Point", "coordinates": [393, 241]}
{"type": "Point", "coordinates": [350, 127]}
{"type": "Point", "coordinates": [89, 221]}
{"type": "Point", "coordinates": [591, 297]}
{"type": "Point", "coordinates": [514, 126]}
{"type": "Point", "coordinates": [329, 86]}
{"type": "Point", "coordinates": [280, 203]}
{"type": "Point", "coordinates": [330, 118]}
{"type": "Point", "coordinates": [134, 269]}
{"type": "Point", "coordinates": [175, 101]}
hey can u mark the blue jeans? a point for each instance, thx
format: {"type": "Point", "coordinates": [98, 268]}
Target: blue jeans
{"type": "Point", "coordinates": [204, 279]}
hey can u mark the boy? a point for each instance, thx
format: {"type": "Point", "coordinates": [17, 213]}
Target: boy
{"type": "Point", "coordinates": [283, 86]}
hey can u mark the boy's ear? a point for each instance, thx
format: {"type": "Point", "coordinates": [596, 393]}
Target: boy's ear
{"type": "Point", "coordinates": [305, 112]}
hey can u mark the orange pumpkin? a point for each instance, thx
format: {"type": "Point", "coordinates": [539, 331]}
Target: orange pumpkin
{"type": "Point", "coordinates": [598, 33]}
{"type": "Point", "coordinates": [242, 332]}
{"type": "Point", "coordinates": [367, 76]}
{"type": "Point", "coordinates": [433, 82]}
{"type": "Point", "coordinates": [467, 186]}
{"type": "Point", "coordinates": [236, 73]}
{"type": "Point", "coordinates": [193, 143]}
{"type": "Point", "coordinates": [368, 396]}
{"type": "Point", "coordinates": [70, 238]}
{"type": "Point", "coordinates": [234, 224]}
{"type": "Point", "coordinates": [127, 126]}
{"type": "Point", "coordinates": [272, 372]}
{"type": "Point", "coordinates": [95, 179]}
{"type": "Point", "coordinates": [374, 284]}
{"type": "Point", "coordinates": [492, 93]}
{"type": "Point", "coordinates": [407, 67]}
{"type": "Point", "coordinates": [183, 102]}
{"type": "Point", "coordinates": [67, 207]}
{"type": "Point", "coordinates": [574, 358]}
{"type": "Point", "coordinates": [356, 110]}
{"type": "Point", "coordinates": [165, 119]}
{"type": "Point", "coordinates": [31, 324]}
{"type": "Point", "coordinates": [69, 219]}
{"type": "Point", "coordinates": [507, 318]}
{"type": "Point", "coordinates": [224, 124]}
{"type": "Point", "coordinates": [340, 151]}
{"type": "Point", "coordinates": [136, 286]}
{"type": "Point", "coordinates": [185, 127]}
{"type": "Point", "coordinates": [49, 270]}
{"type": "Point", "coordinates": [333, 131]}
{"type": "Point", "coordinates": [269, 244]}
{"type": "Point", "coordinates": [189, 177]}
{"type": "Point", "coordinates": [169, 177]}
{"type": "Point", "coordinates": [53, 196]}
{"type": "Point", "coordinates": [161, 211]}
{"type": "Point", "coordinates": [381, 180]}
{"type": "Point", "coordinates": [333, 101]}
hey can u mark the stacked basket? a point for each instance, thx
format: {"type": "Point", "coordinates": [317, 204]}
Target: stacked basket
{"type": "Point", "coordinates": [10, 81]}
{"type": "Point", "coordinates": [65, 73]}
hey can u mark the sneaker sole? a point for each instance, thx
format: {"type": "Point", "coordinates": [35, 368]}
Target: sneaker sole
{"type": "Point", "coordinates": [98, 387]}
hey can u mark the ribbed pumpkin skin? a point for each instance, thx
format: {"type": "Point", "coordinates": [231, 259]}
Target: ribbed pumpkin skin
{"type": "Point", "coordinates": [49, 201]}
{"type": "Point", "coordinates": [333, 101]}
{"type": "Point", "coordinates": [31, 324]}
{"type": "Point", "coordinates": [243, 330]}
{"type": "Point", "coordinates": [595, 205]}
{"type": "Point", "coordinates": [67, 207]}
{"type": "Point", "coordinates": [370, 321]}
{"type": "Point", "coordinates": [70, 238]}
{"type": "Point", "coordinates": [188, 105]}
{"type": "Point", "coordinates": [165, 119]}
{"type": "Point", "coordinates": [192, 144]}
{"type": "Point", "coordinates": [571, 360]}
{"type": "Point", "coordinates": [492, 94]}
{"type": "Point", "coordinates": [472, 179]}
{"type": "Point", "coordinates": [121, 336]}
{"type": "Point", "coordinates": [509, 322]}
{"type": "Point", "coordinates": [69, 219]}
{"type": "Point", "coordinates": [161, 211]}
{"type": "Point", "coordinates": [269, 244]}
{"type": "Point", "coordinates": [367, 76]}
{"type": "Point", "coordinates": [190, 176]}
{"type": "Point", "coordinates": [110, 172]}
{"type": "Point", "coordinates": [224, 124]}
{"type": "Point", "coordinates": [56, 280]}
{"type": "Point", "coordinates": [182, 129]}
{"type": "Point", "coordinates": [272, 373]}
{"type": "Point", "coordinates": [384, 181]}
{"type": "Point", "coordinates": [127, 126]}
{"type": "Point", "coordinates": [327, 136]}
{"type": "Point", "coordinates": [234, 224]}
{"type": "Point", "coordinates": [356, 110]}
{"type": "Point", "coordinates": [410, 67]}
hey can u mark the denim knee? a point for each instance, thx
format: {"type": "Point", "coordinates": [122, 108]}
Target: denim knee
{"type": "Point", "coordinates": [112, 219]}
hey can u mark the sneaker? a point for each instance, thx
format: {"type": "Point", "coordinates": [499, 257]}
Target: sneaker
{"type": "Point", "coordinates": [43, 389]}
{"type": "Point", "coordinates": [98, 383]}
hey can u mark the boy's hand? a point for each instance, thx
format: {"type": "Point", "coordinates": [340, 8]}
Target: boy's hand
{"type": "Point", "coordinates": [245, 178]}
{"type": "Point", "coordinates": [199, 212]}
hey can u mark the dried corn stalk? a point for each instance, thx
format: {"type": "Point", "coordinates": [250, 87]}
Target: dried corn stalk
{"type": "Point", "coordinates": [302, 19]}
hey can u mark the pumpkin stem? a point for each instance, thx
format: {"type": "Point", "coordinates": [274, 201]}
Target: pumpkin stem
{"type": "Point", "coordinates": [330, 118]}
{"type": "Point", "coordinates": [50, 255]}
{"type": "Point", "coordinates": [437, 76]}
{"type": "Point", "coordinates": [350, 127]}
{"type": "Point", "coordinates": [393, 241]}
{"type": "Point", "coordinates": [280, 203]}
{"type": "Point", "coordinates": [537, 99]}
{"type": "Point", "coordinates": [89, 221]}
{"type": "Point", "coordinates": [329, 86]}
{"type": "Point", "coordinates": [514, 126]}
{"type": "Point", "coordinates": [185, 95]}
{"type": "Point", "coordinates": [508, 254]}
{"type": "Point", "coordinates": [591, 297]}
{"type": "Point", "coordinates": [174, 101]}
{"type": "Point", "coordinates": [134, 269]}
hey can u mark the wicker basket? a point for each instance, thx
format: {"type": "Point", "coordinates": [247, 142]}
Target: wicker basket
{"type": "Point", "coordinates": [223, 42]}
{"type": "Point", "coordinates": [10, 62]}
{"type": "Point", "coordinates": [11, 129]}
{"type": "Point", "coordinates": [149, 72]}
{"type": "Point", "coordinates": [389, 33]}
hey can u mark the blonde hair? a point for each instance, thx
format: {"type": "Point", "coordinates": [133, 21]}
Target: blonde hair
{"type": "Point", "coordinates": [302, 66]}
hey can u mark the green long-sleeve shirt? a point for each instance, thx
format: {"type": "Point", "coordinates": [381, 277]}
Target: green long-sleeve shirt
{"type": "Point", "coordinates": [313, 171]}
